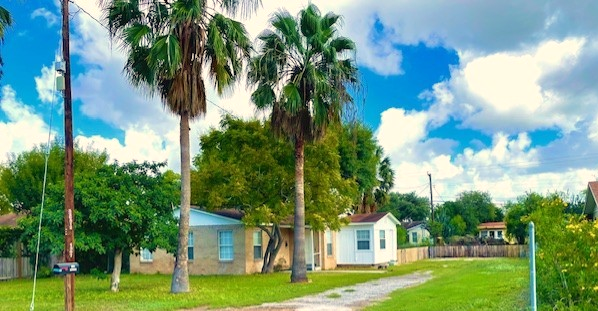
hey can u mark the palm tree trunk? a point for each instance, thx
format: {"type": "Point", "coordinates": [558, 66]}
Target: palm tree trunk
{"type": "Point", "coordinates": [180, 275]}
{"type": "Point", "coordinates": [115, 278]}
{"type": "Point", "coordinates": [299, 269]}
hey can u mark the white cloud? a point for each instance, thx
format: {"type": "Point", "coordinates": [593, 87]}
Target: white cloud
{"type": "Point", "coordinates": [44, 85]}
{"type": "Point", "coordinates": [23, 128]}
{"type": "Point", "coordinates": [51, 18]}
{"type": "Point", "coordinates": [499, 92]}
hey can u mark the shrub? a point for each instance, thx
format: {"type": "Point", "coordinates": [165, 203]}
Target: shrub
{"type": "Point", "coordinates": [566, 258]}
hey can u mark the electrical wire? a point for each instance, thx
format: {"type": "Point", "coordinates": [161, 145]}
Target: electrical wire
{"type": "Point", "coordinates": [41, 212]}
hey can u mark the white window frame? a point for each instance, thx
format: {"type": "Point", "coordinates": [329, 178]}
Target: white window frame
{"type": "Point", "coordinates": [145, 255]}
{"type": "Point", "coordinates": [414, 237]}
{"type": "Point", "coordinates": [362, 239]}
{"type": "Point", "coordinates": [222, 246]}
{"type": "Point", "coordinates": [190, 246]}
{"type": "Point", "coordinates": [500, 235]}
{"type": "Point", "coordinates": [382, 239]}
{"type": "Point", "coordinates": [257, 243]}
{"type": "Point", "coordinates": [329, 243]}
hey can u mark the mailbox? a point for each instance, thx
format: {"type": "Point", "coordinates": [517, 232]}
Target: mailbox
{"type": "Point", "coordinates": [66, 268]}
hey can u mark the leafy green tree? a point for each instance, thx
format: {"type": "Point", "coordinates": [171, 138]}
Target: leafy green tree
{"type": "Point", "coordinates": [21, 179]}
{"type": "Point", "coordinates": [243, 166]}
{"type": "Point", "coordinates": [362, 159]}
{"type": "Point", "coordinates": [472, 207]}
{"type": "Point", "coordinates": [170, 44]}
{"type": "Point", "coordinates": [517, 218]}
{"type": "Point", "coordinates": [117, 208]}
{"type": "Point", "coordinates": [302, 73]}
{"type": "Point", "coordinates": [5, 22]}
{"type": "Point", "coordinates": [407, 206]}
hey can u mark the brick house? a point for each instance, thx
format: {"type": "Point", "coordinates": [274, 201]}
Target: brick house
{"type": "Point", "coordinates": [219, 243]}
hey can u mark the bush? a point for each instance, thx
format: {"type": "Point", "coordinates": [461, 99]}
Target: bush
{"type": "Point", "coordinates": [566, 258]}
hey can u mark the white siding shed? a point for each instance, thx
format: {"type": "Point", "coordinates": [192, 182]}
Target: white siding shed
{"type": "Point", "coordinates": [369, 239]}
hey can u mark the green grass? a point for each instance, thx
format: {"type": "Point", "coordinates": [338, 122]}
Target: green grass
{"type": "Point", "coordinates": [457, 285]}
{"type": "Point", "coordinates": [494, 284]}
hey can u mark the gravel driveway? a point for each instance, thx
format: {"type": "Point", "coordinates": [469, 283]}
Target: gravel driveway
{"type": "Point", "coordinates": [346, 298]}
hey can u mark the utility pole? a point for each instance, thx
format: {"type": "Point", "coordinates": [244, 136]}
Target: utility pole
{"type": "Point", "coordinates": [431, 199]}
{"type": "Point", "coordinates": [69, 199]}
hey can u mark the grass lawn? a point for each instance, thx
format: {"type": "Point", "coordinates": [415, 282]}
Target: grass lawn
{"type": "Point", "coordinates": [498, 284]}
{"type": "Point", "coordinates": [486, 284]}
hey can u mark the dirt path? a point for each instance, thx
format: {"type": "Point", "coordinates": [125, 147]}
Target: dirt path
{"type": "Point", "coordinates": [344, 298]}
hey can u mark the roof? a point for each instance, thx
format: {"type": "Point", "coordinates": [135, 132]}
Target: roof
{"type": "Point", "coordinates": [492, 225]}
{"type": "Point", "coordinates": [9, 220]}
{"type": "Point", "coordinates": [361, 218]}
{"type": "Point", "coordinates": [591, 196]}
{"type": "Point", "coordinates": [230, 213]}
{"type": "Point", "coordinates": [371, 218]}
{"type": "Point", "coordinates": [411, 224]}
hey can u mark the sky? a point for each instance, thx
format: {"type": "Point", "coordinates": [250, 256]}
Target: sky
{"type": "Point", "coordinates": [497, 96]}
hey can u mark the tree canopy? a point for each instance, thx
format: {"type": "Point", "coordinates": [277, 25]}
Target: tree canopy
{"type": "Point", "coordinates": [117, 207]}
{"type": "Point", "coordinates": [462, 216]}
{"type": "Point", "coordinates": [407, 206]}
{"type": "Point", "coordinates": [21, 179]}
{"type": "Point", "coordinates": [243, 166]}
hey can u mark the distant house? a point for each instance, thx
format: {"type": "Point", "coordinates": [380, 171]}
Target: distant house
{"type": "Point", "coordinates": [493, 230]}
{"type": "Point", "coordinates": [219, 243]}
{"type": "Point", "coordinates": [416, 232]}
{"type": "Point", "coordinates": [369, 239]}
{"type": "Point", "coordinates": [591, 209]}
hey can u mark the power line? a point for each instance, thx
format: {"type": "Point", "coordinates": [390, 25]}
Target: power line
{"type": "Point", "coordinates": [88, 14]}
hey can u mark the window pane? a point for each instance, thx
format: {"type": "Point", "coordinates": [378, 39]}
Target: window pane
{"type": "Point", "coordinates": [146, 255]}
{"type": "Point", "coordinates": [363, 245]}
{"type": "Point", "coordinates": [382, 239]}
{"type": "Point", "coordinates": [413, 237]}
{"type": "Point", "coordinates": [363, 234]}
{"type": "Point", "coordinates": [225, 241]}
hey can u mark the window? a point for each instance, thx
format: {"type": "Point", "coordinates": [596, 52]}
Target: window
{"type": "Point", "coordinates": [363, 239]}
{"type": "Point", "coordinates": [414, 237]}
{"type": "Point", "coordinates": [500, 234]}
{"type": "Point", "coordinates": [484, 233]}
{"type": "Point", "coordinates": [382, 239]}
{"type": "Point", "coordinates": [257, 245]}
{"type": "Point", "coordinates": [190, 243]}
{"type": "Point", "coordinates": [328, 243]}
{"type": "Point", "coordinates": [146, 255]}
{"type": "Point", "coordinates": [492, 234]}
{"type": "Point", "coordinates": [225, 245]}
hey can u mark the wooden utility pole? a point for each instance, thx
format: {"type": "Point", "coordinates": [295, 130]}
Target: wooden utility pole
{"type": "Point", "coordinates": [431, 199]}
{"type": "Point", "coordinates": [69, 198]}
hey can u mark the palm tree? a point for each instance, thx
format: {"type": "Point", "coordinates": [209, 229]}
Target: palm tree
{"type": "Point", "coordinates": [5, 22]}
{"type": "Point", "coordinates": [302, 72]}
{"type": "Point", "coordinates": [169, 44]}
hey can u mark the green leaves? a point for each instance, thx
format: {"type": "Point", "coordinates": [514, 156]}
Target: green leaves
{"type": "Point", "coordinates": [301, 60]}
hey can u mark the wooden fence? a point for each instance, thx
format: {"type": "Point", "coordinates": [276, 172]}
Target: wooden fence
{"type": "Point", "coordinates": [11, 268]}
{"type": "Point", "coordinates": [457, 251]}
{"type": "Point", "coordinates": [407, 255]}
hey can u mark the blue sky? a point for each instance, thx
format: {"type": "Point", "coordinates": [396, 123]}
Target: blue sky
{"type": "Point", "coordinates": [497, 96]}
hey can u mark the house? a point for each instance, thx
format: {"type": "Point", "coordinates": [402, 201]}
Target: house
{"type": "Point", "coordinates": [591, 210]}
{"type": "Point", "coordinates": [219, 243]}
{"type": "Point", "coordinates": [417, 232]}
{"type": "Point", "coordinates": [369, 239]}
{"type": "Point", "coordinates": [493, 230]}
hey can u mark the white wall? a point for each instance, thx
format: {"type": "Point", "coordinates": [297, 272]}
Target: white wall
{"type": "Point", "coordinates": [347, 253]}
{"type": "Point", "coordinates": [390, 252]}
{"type": "Point", "coordinates": [347, 246]}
